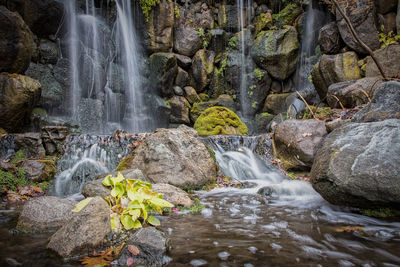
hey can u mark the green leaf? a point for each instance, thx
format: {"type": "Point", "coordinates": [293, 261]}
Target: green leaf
{"type": "Point", "coordinates": [82, 204]}
{"type": "Point", "coordinates": [127, 222]}
{"type": "Point", "coordinates": [160, 203]}
{"type": "Point", "coordinates": [134, 204]}
{"type": "Point", "coordinates": [144, 211]}
{"type": "Point", "coordinates": [118, 191]}
{"type": "Point", "coordinates": [135, 214]}
{"type": "Point", "coordinates": [107, 181]}
{"type": "Point", "coordinates": [137, 224]}
{"type": "Point", "coordinates": [153, 221]}
{"type": "Point", "coordinates": [115, 225]}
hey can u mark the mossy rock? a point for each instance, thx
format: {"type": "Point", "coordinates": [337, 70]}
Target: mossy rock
{"type": "Point", "coordinates": [125, 163]}
{"type": "Point", "coordinates": [2, 132]}
{"type": "Point", "coordinates": [288, 15]}
{"type": "Point", "coordinates": [219, 120]}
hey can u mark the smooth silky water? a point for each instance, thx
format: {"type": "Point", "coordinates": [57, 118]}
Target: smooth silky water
{"type": "Point", "coordinates": [276, 222]}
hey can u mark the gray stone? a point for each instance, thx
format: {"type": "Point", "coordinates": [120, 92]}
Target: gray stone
{"type": "Point", "coordinates": [329, 39]}
{"type": "Point", "coordinates": [262, 121]}
{"type": "Point", "coordinates": [389, 58]}
{"type": "Point", "coordinates": [91, 114]}
{"type": "Point", "coordinates": [385, 6]}
{"type": "Point", "coordinates": [179, 110]}
{"type": "Point", "coordinates": [39, 170]}
{"type": "Point", "coordinates": [357, 167]}
{"type": "Point", "coordinates": [191, 95]}
{"type": "Point", "coordinates": [228, 17]}
{"type": "Point", "coordinates": [218, 40]}
{"type": "Point", "coordinates": [173, 194]}
{"type": "Point", "coordinates": [388, 22]}
{"type": "Point", "coordinates": [398, 18]}
{"type": "Point", "coordinates": [276, 103]}
{"type": "Point", "coordinates": [186, 39]}
{"type": "Point", "coordinates": [31, 144]}
{"type": "Point", "coordinates": [163, 69]}
{"type": "Point", "coordinates": [296, 142]}
{"type": "Point", "coordinates": [45, 213]}
{"type": "Point", "coordinates": [336, 123]}
{"type": "Point", "coordinates": [182, 78]}
{"type": "Point", "coordinates": [96, 188]}
{"type": "Point", "coordinates": [202, 68]}
{"type": "Point", "coordinates": [93, 76]}
{"type": "Point", "coordinates": [48, 52]}
{"type": "Point", "coordinates": [384, 105]}
{"type": "Point", "coordinates": [178, 90]}
{"type": "Point", "coordinates": [85, 231]}
{"type": "Point", "coordinates": [183, 61]}
{"type": "Point", "coordinates": [53, 138]}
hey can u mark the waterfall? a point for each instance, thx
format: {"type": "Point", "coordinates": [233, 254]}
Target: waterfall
{"type": "Point", "coordinates": [106, 86]}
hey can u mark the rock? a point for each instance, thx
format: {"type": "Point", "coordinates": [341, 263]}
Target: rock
{"type": "Point", "coordinates": [85, 231]}
{"type": "Point", "coordinates": [18, 96]}
{"type": "Point", "coordinates": [398, 18]}
{"type": "Point", "coordinates": [152, 245]}
{"type": "Point", "coordinates": [332, 69]}
{"type": "Point", "coordinates": [45, 213]}
{"type": "Point", "coordinates": [48, 52]}
{"type": "Point", "coordinates": [163, 69]}
{"type": "Point", "coordinates": [174, 156]}
{"type": "Point", "coordinates": [42, 16]}
{"type": "Point", "coordinates": [357, 167]}
{"type": "Point", "coordinates": [352, 93]}
{"type": "Point", "coordinates": [91, 115]}
{"type": "Point", "coordinates": [182, 78]}
{"type": "Point", "coordinates": [262, 121]}
{"type": "Point", "coordinates": [93, 76]}
{"type": "Point", "coordinates": [288, 15]}
{"type": "Point", "coordinates": [296, 142]}
{"type": "Point", "coordinates": [388, 22]}
{"type": "Point", "coordinates": [183, 61]}
{"type": "Point", "coordinates": [191, 95]}
{"type": "Point", "coordinates": [62, 73]}
{"type": "Point", "coordinates": [389, 58]}
{"type": "Point", "coordinates": [179, 110]}
{"type": "Point", "coordinates": [222, 100]}
{"type": "Point", "coordinates": [31, 144]}
{"type": "Point", "coordinates": [96, 188]}
{"type": "Point", "coordinates": [276, 52]}
{"type": "Point", "coordinates": [186, 38]}
{"type": "Point", "coordinates": [228, 17]}
{"type": "Point", "coordinates": [173, 194]}
{"type": "Point", "coordinates": [219, 120]}
{"type": "Point", "coordinates": [263, 22]}
{"type": "Point", "coordinates": [178, 90]}
{"type": "Point", "coordinates": [125, 171]}
{"type": "Point", "coordinates": [159, 28]}
{"type": "Point", "coordinates": [384, 104]}
{"type": "Point", "coordinates": [17, 44]}
{"type": "Point", "coordinates": [217, 41]}
{"type": "Point", "coordinates": [385, 6]}
{"type": "Point", "coordinates": [276, 103]}
{"type": "Point", "coordinates": [329, 39]}
{"type": "Point", "coordinates": [362, 16]}
{"type": "Point", "coordinates": [39, 170]}
{"type": "Point", "coordinates": [116, 81]}
{"type": "Point", "coordinates": [52, 92]}
{"type": "Point", "coordinates": [202, 68]}
{"type": "Point", "coordinates": [53, 138]}
{"type": "Point", "coordinates": [336, 123]}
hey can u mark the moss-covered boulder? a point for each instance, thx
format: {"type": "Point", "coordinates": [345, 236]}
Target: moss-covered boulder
{"type": "Point", "coordinates": [288, 15]}
{"type": "Point", "coordinates": [202, 68]}
{"type": "Point", "coordinates": [263, 22]}
{"type": "Point", "coordinates": [219, 120]}
{"type": "Point", "coordinates": [198, 108]}
{"type": "Point", "coordinates": [39, 170]}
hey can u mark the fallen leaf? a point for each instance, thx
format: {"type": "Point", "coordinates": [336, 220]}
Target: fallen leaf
{"type": "Point", "coordinates": [129, 261]}
{"type": "Point", "coordinates": [349, 229]}
{"type": "Point", "coordinates": [94, 261]}
{"type": "Point", "coordinates": [133, 249]}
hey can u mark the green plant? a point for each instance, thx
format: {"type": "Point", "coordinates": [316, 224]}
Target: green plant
{"type": "Point", "coordinates": [388, 38]}
{"type": "Point", "coordinates": [146, 6]}
{"type": "Point", "coordinates": [259, 73]}
{"type": "Point", "coordinates": [19, 156]}
{"type": "Point", "coordinates": [202, 34]}
{"type": "Point", "coordinates": [131, 201]}
{"type": "Point", "coordinates": [254, 104]}
{"type": "Point", "coordinates": [176, 12]}
{"type": "Point", "coordinates": [232, 42]}
{"type": "Point", "coordinates": [11, 181]}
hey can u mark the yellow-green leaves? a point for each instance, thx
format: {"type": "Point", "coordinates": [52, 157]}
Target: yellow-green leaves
{"type": "Point", "coordinates": [131, 201]}
{"type": "Point", "coordinates": [82, 204]}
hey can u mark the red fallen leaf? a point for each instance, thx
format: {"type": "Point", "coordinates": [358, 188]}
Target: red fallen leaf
{"type": "Point", "coordinates": [133, 249]}
{"type": "Point", "coordinates": [129, 261]}
{"type": "Point", "coordinates": [36, 189]}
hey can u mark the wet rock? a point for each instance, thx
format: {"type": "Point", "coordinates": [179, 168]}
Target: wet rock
{"type": "Point", "coordinates": [17, 44]}
{"type": "Point", "coordinates": [39, 170]}
{"type": "Point", "coordinates": [276, 103]}
{"type": "Point", "coordinates": [388, 22]}
{"type": "Point", "coordinates": [183, 61]}
{"type": "Point", "coordinates": [152, 245]}
{"type": "Point", "coordinates": [202, 68]}
{"type": "Point", "coordinates": [352, 93]}
{"type": "Point", "coordinates": [163, 69]}
{"type": "Point", "coordinates": [288, 15]}
{"type": "Point", "coordinates": [116, 82]}
{"type": "Point", "coordinates": [357, 167]}
{"type": "Point", "coordinates": [385, 6]}
{"type": "Point", "coordinates": [42, 16]}
{"type": "Point", "coordinates": [263, 22]}
{"type": "Point", "coordinates": [228, 17]}
{"type": "Point", "coordinates": [296, 142]}
{"type": "Point", "coordinates": [178, 90]}
{"type": "Point", "coordinates": [384, 104]}
{"type": "Point", "coordinates": [85, 231]}
{"type": "Point", "coordinates": [96, 188]}
{"type": "Point", "coordinates": [93, 76]}
{"type": "Point", "coordinates": [173, 194]}
{"type": "Point", "coordinates": [53, 138]}
{"type": "Point", "coordinates": [217, 40]}
{"type": "Point", "coordinates": [182, 78]}
{"type": "Point", "coordinates": [186, 38]}
{"type": "Point", "coordinates": [329, 39]}
{"type": "Point", "coordinates": [62, 73]}
{"type": "Point", "coordinates": [276, 52]}
{"type": "Point", "coordinates": [179, 110]}
{"type": "Point", "coordinates": [31, 144]}
{"type": "Point", "coordinates": [191, 95]}
{"type": "Point", "coordinates": [91, 114]}
{"type": "Point", "coordinates": [45, 213]}
{"type": "Point", "coordinates": [332, 69]}
{"type": "Point", "coordinates": [18, 96]}
{"type": "Point", "coordinates": [389, 58]}
{"type": "Point", "coordinates": [48, 52]}
{"type": "Point", "coordinates": [174, 156]}
{"type": "Point", "coordinates": [262, 121]}
{"type": "Point", "coordinates": [362, 16]}
{"type": "Point", "coordinates": [52, 92]}
{"type": "Point", "coordinates": [159, 28]}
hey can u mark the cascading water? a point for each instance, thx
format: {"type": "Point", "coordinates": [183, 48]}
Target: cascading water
{"type": "Point", "coordinates": [106, 86]}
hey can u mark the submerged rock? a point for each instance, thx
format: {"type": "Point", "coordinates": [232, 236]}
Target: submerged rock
{"type": "Point", "coordinates": [358, 165]}
{"type": "Point", "coordinates": [45, 213]}
{"type": "Point", "coordinates": [85, 231]}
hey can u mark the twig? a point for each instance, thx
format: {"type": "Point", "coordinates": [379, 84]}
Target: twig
{"type": "Point", "coordinates": [308, 106]}
{"type": "Point", "coordinates": [340, 103]}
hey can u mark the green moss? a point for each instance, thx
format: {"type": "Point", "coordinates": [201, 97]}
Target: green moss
{"type": "Point", "coordinates": [49, 169]}
{"type": "Point", "coordinates": [12, 181]}
{"type": "Point", "coordinates": [147, 6]}
{"type": "Point", "coordinates": [232, 42]}
{"type": "Point", "coordinates": [196, 208]}
{"type": "Point", "coordinates": [259, 73]}
{"type": "Point", "coordinates": [219, 120]}
{"type": "Point", "coordinates": [125, 162]}
{"type": "Point", "coordinates": [288, 15]}
{"type": "Point", "coordinates": [254, 104]}
{"type": "Point", "coordinates": [266, 114]}
{"type": "Point", "coordinates": [204, 97]}
{"type": "Point", "coordinates": [380, 213]}
{"type": "Point", "coordinates": [19, 156]}
{"type": "Point", "coordinates": [320, 113]}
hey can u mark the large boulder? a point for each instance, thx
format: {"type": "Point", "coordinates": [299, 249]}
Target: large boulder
{"type": "Point", "coordinates": [45, 213]}
{"type": "Point", "coordinates": [18, 96]}
{"type": "Point", "coordinates": [202, 68]}
{"type": "Point", "coordinates": [358, 165]}
{"type": "Point", "coordinates": [186, 38]}
{"type": "Point", "coordinates": [288, 15]}
{"type": "Point", "coordinates": [163, 69]}
{"type": "Point", "coordinates": [384, 104]}
{"type": "Point", "coordinates": [17, 44]}
{"type": "Point", "coordinates": [159, 27]}
{"type": "Point", "coordinates": [389, 58]}
{"type": "Point", "coordinates": [173, 194]}
{"type": "Point", "coordinates": [174, 156]}
{"type": "Point", "coordinates": [228, 17]}
{"type": "Point", "coordinates": [86, 230]}
{"type": "Point", "coordinates": [31, 144]}
{"type": "Point", "coordinates": [39, 170]}
{"type": "Point", "coordinates": [42, 16]}
{"type": "Point", "coordinates": [52, 92]}
{"type": "Point", "coordinates": [329, 39]}
{"type": "Point", "coordinates": [352, 93]}
{"type": "Point", "coordinates": [296, 142]}
{"type": "Point", "coordinates": [48, 52]}
{"type": "Point", "coordinates": [363, 18]}
{"type": "Point", "coordinates": [332, 69]}
{"type": "Point", "coordinates": [277, 52]}
{"type": "Point", "coordinates": [276, 103]}
{"type": "Point", "coordinates": [179, 110]}
{"type": "Point", "coordinates": [222, 100]}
